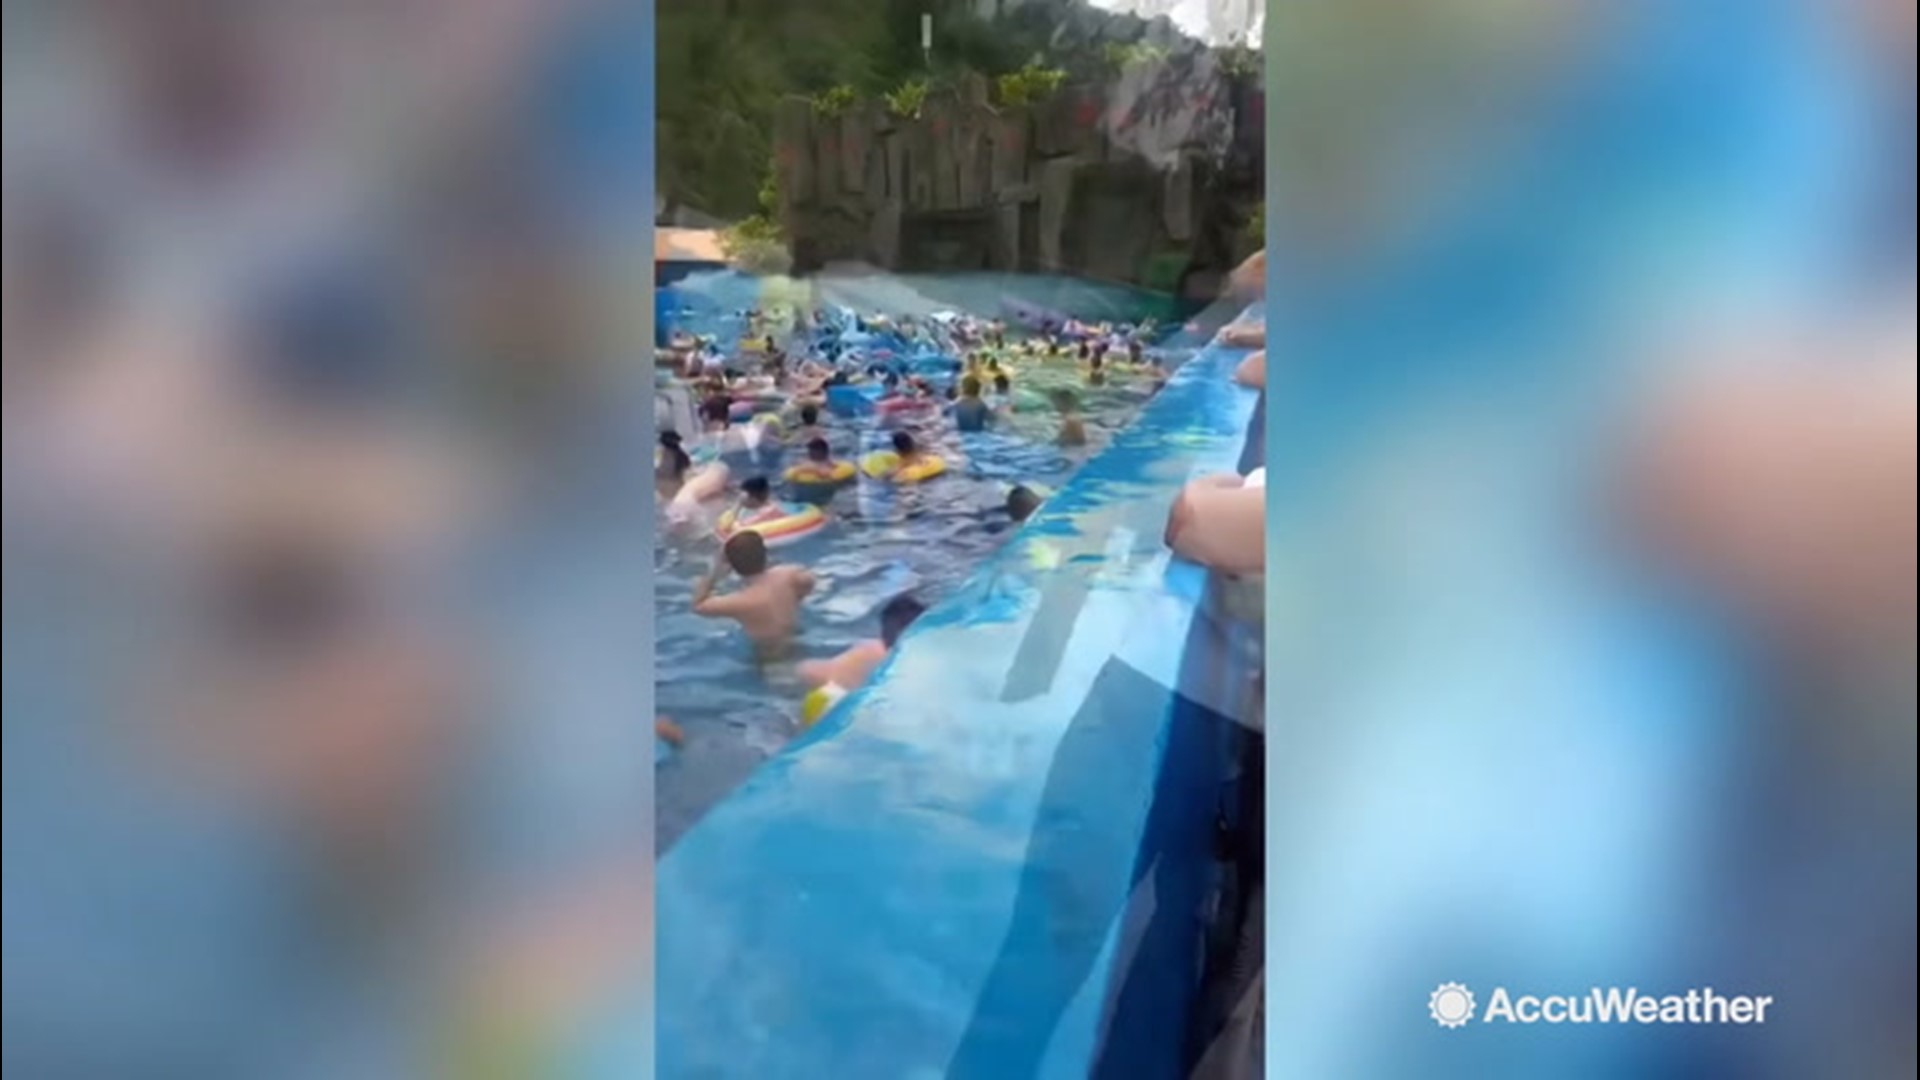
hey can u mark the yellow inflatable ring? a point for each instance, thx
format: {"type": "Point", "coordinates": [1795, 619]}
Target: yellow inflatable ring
{"type": "Point", "coordinates": [885, 465]}
{"type": "Point", "coordinates": [818, 702]}
{"type": "Point", "coordinates": [834, 472]}
{"type": "Point", "coordinates": [777, 523]}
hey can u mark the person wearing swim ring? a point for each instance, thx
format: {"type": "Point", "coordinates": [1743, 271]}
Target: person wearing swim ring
{"type": "Point", "coordinates": [851, 669]}
{"type": "Point", "coordinates": [756, 496]}
{"type": "Point", "coordinates": [818, 467]}
{"type": "Point", "coordinates": [906, 451]}
{"type": "Point", "coordinates": [767, 603]}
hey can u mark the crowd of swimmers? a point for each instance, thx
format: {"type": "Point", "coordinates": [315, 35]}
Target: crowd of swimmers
{"type": "Point", "coordinates": [1215, 520]}
{"type": "Point", "coordinates": [784, 398]}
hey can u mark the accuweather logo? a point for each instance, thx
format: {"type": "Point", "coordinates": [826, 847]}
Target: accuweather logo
{"type": "Point", "coordinates": [1453, 1006]}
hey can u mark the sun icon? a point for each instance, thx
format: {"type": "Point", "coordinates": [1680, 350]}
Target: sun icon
{"type": "Point", "coordinates": [1451, 1005]}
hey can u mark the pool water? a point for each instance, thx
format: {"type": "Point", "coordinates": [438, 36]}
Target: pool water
{"type": "Point", "coordinates": [879, 541]}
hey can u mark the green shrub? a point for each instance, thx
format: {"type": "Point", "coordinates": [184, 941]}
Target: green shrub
{"type": "Point", "coordinates": [908, 99]}
{"type": "Point", "coordinates": [1241, 62]}
{"type": "Point", "coordinates": [757, 245]}
{"type": "Point", "coordinates": [1121, 56]}
{"type": "Point", "coordinates": [835, 101]}
{"type": "Point", "coordinates": [1030, 84]}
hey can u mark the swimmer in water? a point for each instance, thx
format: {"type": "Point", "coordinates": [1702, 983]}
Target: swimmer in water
{"type": "Point", "coordinates": [716, 412]}
{"type": "Point", "coordinates": [809, 428]}
{"type": "Point", "coordinates": [851, 669]}
{"type": "Point", "coordinates": [670, 471]}
{"type": "Point", "coordinates": [970, 412]}
{"type": "Point", "coordinates": [818, 468]}
{"type": "Point", "coordinates": [1021, 503]}
{"type": "Point", "coordinates": [756, 495]}
{"type": "Point", "coordinates": [1073, 431]}
{"type": "Point", "coordinates": [905, 450]}
{"type": "Point", "coordinates": [767, 603]}
{"type": "Point", "coordinates": [1002, 398]}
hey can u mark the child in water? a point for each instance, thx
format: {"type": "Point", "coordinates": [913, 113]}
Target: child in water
{"type": "Point", "coordinates": [818, 468]}
{"type": "Point", "coordinates": [1002, 399]}
{"type": "Point", "coordinates": [1073, 432]}
{"type": "Point", "coordinates": [905, 450]}
{"type": "Point", "coordinates": [756, 496]}
{"type": "Point", "coordinates": [851, 669]}
{"type": "Point", "coordinates": [970, 413]}
{"type": "Point", "coordinates": [767, 603]}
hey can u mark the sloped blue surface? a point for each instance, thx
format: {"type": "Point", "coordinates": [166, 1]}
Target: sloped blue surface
{"type": "Point", "coordinates": [991, 860]}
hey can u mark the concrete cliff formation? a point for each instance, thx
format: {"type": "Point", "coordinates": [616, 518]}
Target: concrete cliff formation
{"type": "Point", "coordinates": [1148, 179]}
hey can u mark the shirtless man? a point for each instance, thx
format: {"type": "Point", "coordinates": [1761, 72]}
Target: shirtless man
{"type": "Point", "coordinates": [852, 668]}
{"type": "Point", "coordinates": [767, 603]}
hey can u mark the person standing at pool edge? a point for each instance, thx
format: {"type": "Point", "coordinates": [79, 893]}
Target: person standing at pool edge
{"type": "Point", "coordinates": [767, 603]}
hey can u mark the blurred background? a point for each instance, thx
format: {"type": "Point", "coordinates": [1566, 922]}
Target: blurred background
{"type": "Point", "coordinates": [327, 663]}
{"type": "Point", "coordinates": [1591, 544]}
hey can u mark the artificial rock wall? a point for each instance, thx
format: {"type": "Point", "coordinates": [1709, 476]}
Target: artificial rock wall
{"type": "Point", "coordinates": [1110, 183]}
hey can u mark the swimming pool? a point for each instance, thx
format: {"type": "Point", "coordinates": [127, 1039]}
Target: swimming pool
{"type": "Point", "coordinates": [879, 542]}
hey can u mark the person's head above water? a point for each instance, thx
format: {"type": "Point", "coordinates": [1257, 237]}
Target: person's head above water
{"type": "Point", "coordinates": [746, 552]}
{"type": "Point", "coordinates": [903, 444]}
{"type": "Point", "coordinates": [677, 460]}
{"type": "Point", "coordinates": [1022, 502]}
{"type": "Point", "coordinates": [757, 490]}
{"type": "Point", "coordinates": [818, 450]}
{"type": "Point", "coordinates": [897, 616]}
{"type": "Point", "coordinates": [716, 410]}
{"type": "Point", "coordinates": [1064, 401]}
{"type": "Point", "coordinates": [809, 415]}
{"type": "Point", "coordinates": [1002, 384]}
{"type": "Point", "coordinates": [970, 386]}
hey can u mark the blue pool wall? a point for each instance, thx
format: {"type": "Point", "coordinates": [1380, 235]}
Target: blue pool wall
{"type": "Point", "coordinates": [997, 859]}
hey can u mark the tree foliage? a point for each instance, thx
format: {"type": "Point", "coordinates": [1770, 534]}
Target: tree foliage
{"type": "Point", "coordinates": [723, 66]}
